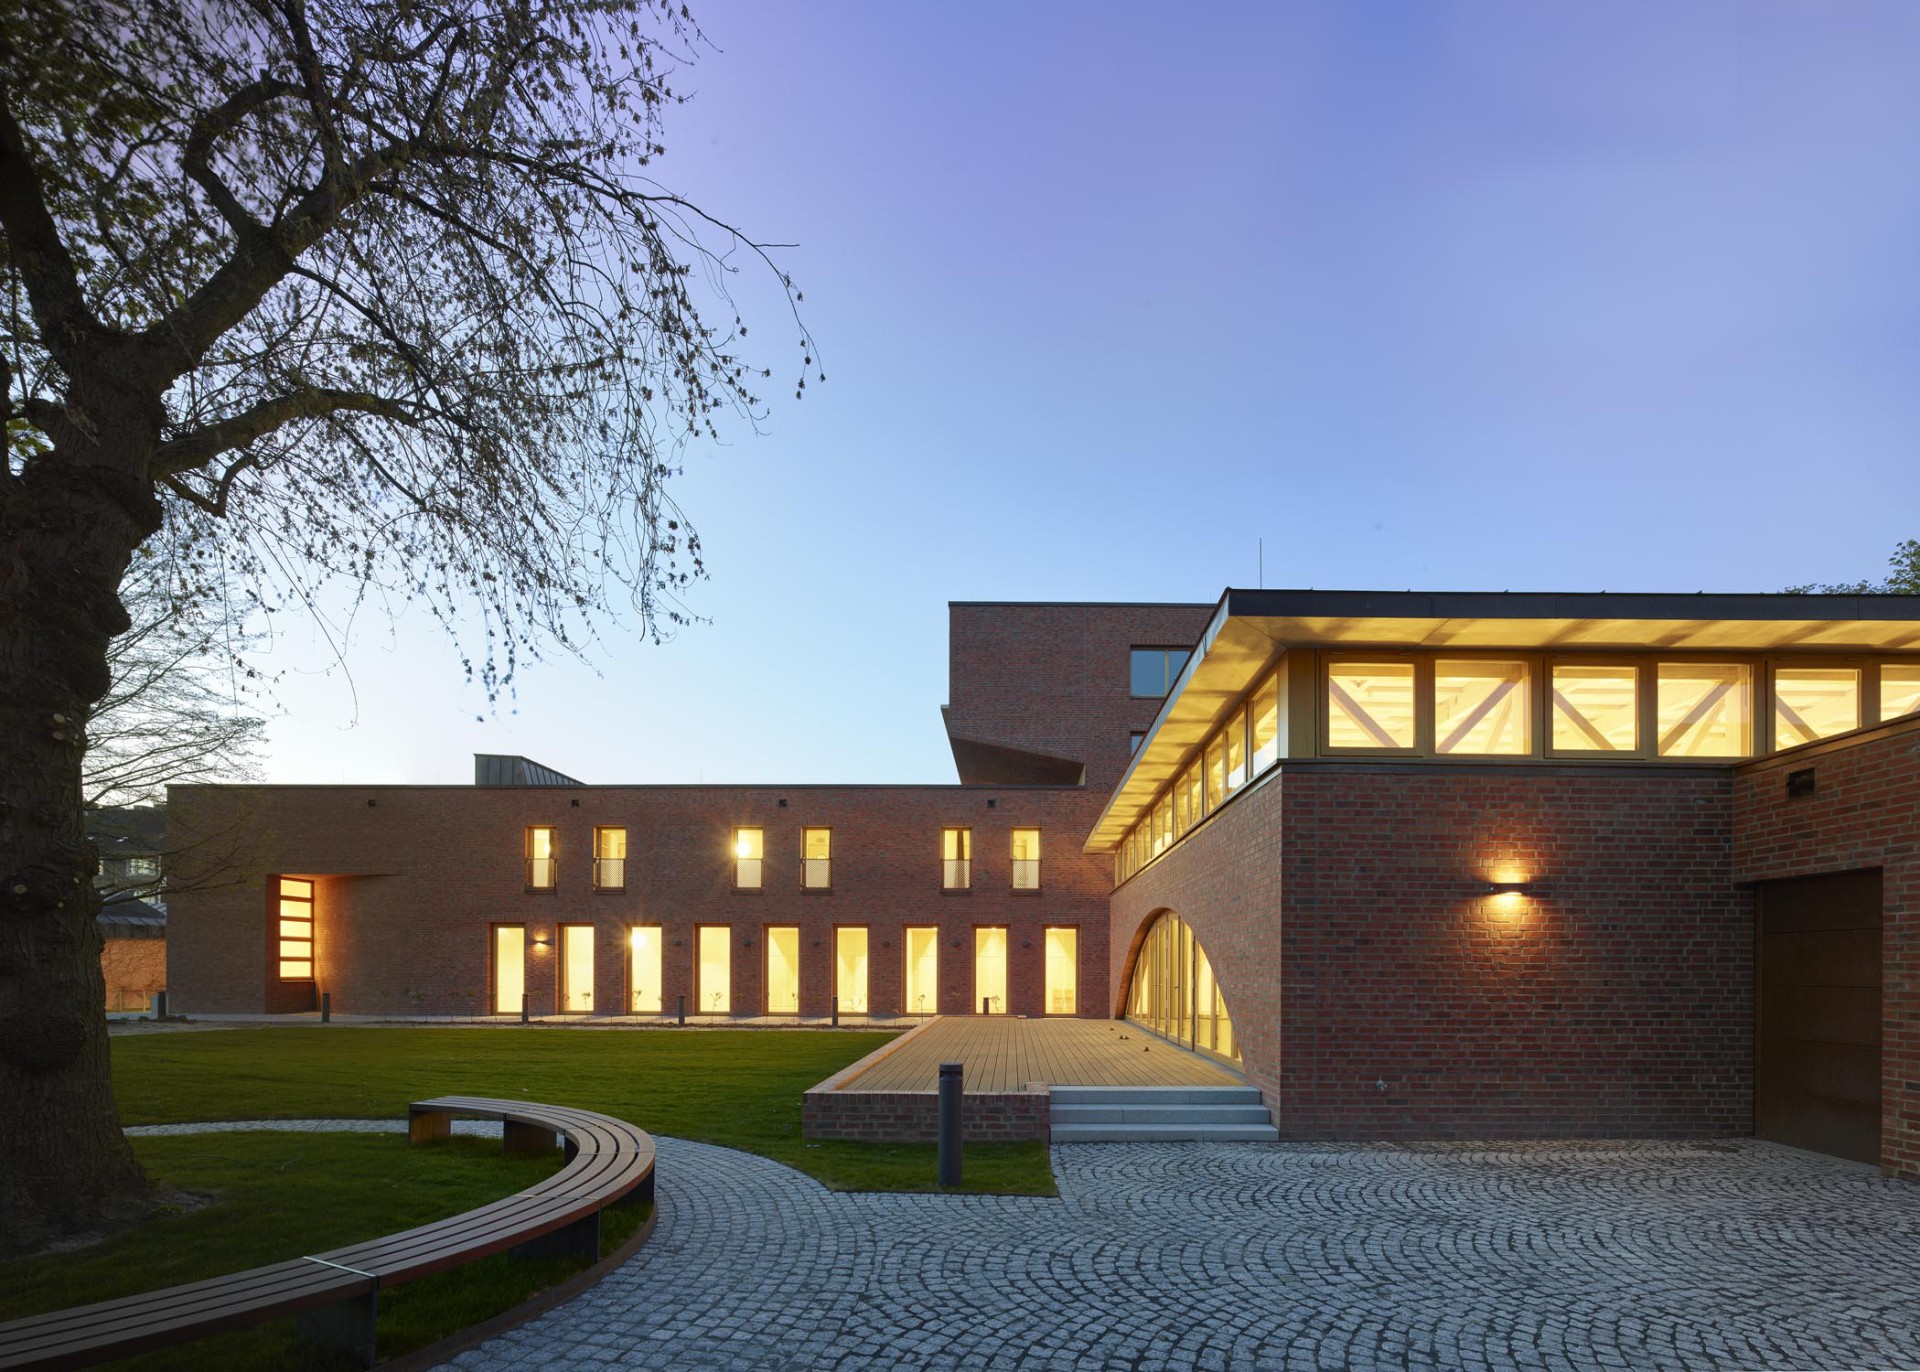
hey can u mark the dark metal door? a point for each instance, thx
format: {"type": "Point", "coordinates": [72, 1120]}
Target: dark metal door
{"type": "Point", "coordinates": [1817, 1074]}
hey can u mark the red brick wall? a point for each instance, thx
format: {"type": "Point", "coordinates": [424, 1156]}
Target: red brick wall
{"type": "Point", "coordinates": [1054, 679]}
{"type": "Point", "coordinates": [914, 1116]}
{"type": "Point", "coordinates": [1381, 995]}
{"type": "Point", "coordinates": [410, 884]}
{"type": "Point", "coordinates": [1864, 812]}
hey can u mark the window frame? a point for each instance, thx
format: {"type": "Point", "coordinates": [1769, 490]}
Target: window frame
{"type": "Point", "coordinates": [734, 859]}
{"type": "Point", "coordinates": [1759, 690]}
{"type": "Point", "coordinates": [621, 830]}
{"type": "Point", "coordinates": [493, 965]}
{"type": "Point", "coordinates": [562, 983]}
{"type": "Point", "coordinates": [766, 968]}
{"type": "Point", "coordinates": [552, 859]}
{"type": "Point", "coordinates": [906, 968]}
{"type": "Point", "coordinates": [1167, 674]}
{"type": "Point", "coordinates": [807, 882]}
{"type": "Point", "coordinates": [1046, 1000]}
{"type": "Point", "coordinates": [1422, 664]}
{"type": "Point", "coordinates": [660, 955]}
{"type": "Point", "coordinates": [1013, 870]}
{"type": "Point", "coordinates": [699, 986]}
{"type": "Point", "coordinates": [1006, 970]}
{"type": "Point", "coordinates": [1643, 717]}
{"type": "Point", "coordinates": [1532, 664]}
{"type": "Point", "coordinates": [867, 1009]}
{"type": "Point", "coordinates": [1866, 702]}
{"type": "Point", "coordinates": [311, 900]}
{"type": "Point", "coordinates": [964, 862]}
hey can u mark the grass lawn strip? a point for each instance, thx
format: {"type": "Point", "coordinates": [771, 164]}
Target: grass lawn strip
{"type": "Point", "coordinates": [738, 1088]}
{"type": "Point", "coordinates": [284, 1194]}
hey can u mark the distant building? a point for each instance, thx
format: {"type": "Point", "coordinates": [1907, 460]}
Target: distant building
{"type": "Point", "coordinates": [1422, 865]}
{"type": "Point", "coordinates": [133, 913]}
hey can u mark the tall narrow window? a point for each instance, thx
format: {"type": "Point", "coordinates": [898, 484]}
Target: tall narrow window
{"type": "Point", "coordinates": [296, 930]}
{"type": "Point", "coordinates": [1596, 707]}
{"type": "Point", "coordinates": [713, 972]}
{"type": "Point", "coordinates": [542, 858]}
{"type": "Point", "coordinates": [1814, 702]}
{"type": "Point", "coordinates": [816, 859]}
{"type": "Point", "coordinates": [1704, 709]}
{"type": "Point", "coordinates": [576, 969]}
{"type": "Point", "coordinates": [956, 859]}
{"type": "Point", "coordinates": [1899, 689]}
{"type": "Point", "coordinates": [610, 859]}
{"type": "Point", "coordinates": [1236, 736]}
{"type": "Point", "coordinates": [643, 969]}
{"type": "Point", "coordinates": [1190, 782]}
{"type": "Point", "coordinates": [1063, 971]}
{"type": "Point", "coordinates": [1263, 722]}
{"type": "Point", "coordinates": [990, 971]}
{"type": "Point", "coordinates": [1481, 707]}
{"type": "Point", "coordinates": [923, 971]}
{"type": "Point", "coordinates": [783, 970]}
{"type": "Point", "coordinates": [1370, 705]}
{"type": "Point", "coordinates": [1216, 769]}
{"type": "Point", "coordinates": [509, 968]}
{"type": "Point", "coordinates": [850, 969]}
{"type": "Point", "coordinates": [749, 847]}
{"type": "Point", "coordinates": [1026, 859]}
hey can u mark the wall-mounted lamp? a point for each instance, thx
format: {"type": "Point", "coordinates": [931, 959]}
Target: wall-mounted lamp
{"type": "Point", "coordinates": [540, 941]}
{"type": "Point", "coordinates": [1513, 888]}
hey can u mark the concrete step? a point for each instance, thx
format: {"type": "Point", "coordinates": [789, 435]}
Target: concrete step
{"type": "Point", "coordinates": [1159, 1114]}
{"type": "Point", "coordinates": [1155, 1095]}
{"type": "Point", "coordinates": [1165, 1133]}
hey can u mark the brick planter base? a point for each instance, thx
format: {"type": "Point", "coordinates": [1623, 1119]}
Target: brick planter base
{"type": "Point", "coordinates": [914, 1116]}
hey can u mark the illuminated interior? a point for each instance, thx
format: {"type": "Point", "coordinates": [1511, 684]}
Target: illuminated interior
{"type": "Point", "coordinates": [1703, 709]}
{"type": "Point", "coordinates": [1370, 705]}
{"type": "Point", "coordinates": [610, 859]}
{"type": "Point", "coordinates": [644, 967]}
{"type": "Point", "coordinates": [509, 968]}
{"type": "Point", "coordinates": [540, 859]}
{"type": "Point", "coordinates": [816, 853]}
{"type": "Point", "coordinates": [576, 969]}
{"type": "Point", "coordinates": [1481, 706]}
{"type": "Point", "coordinates": [923, 971]}
{"type": "Point", "coordinates": [1596, 707]}
{"type": "Point", "coordinates": [1063, 971]}
{"type": "Point", "coordinates": [296, 930]}
{"type": "Point", "coordinates": [1026, 859]}
{"type": "Point", "coordinates": [749, 848]}
{"type": "Point", "coordinates": [990, 971]}
{"type": "Point", "coordinates": [713, 969]}
{"type": "Point", "coordinates": [783, 970]}
{"type": "Point", "coordinates": [850, 970]}
{"type": "Point", "coordinates": [1173, 991]}
{"type": "Point", "coordinates": [1813, 703]}
{"type": "Point", "coordinates": [956, 859]}
{"type": "Point", "coordinates": [1899, 689]}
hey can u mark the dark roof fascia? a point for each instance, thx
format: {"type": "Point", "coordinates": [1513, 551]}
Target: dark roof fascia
{"type": "Point", "coordinates": [770, 786]}
{"type": "Point", "coordinates": [1760, 605]}
{"type": "Point", "coordinates": [1081, 604]}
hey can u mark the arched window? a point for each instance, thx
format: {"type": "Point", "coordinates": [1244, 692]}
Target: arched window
{"type": "Point", "coordinates": [1174, 993]}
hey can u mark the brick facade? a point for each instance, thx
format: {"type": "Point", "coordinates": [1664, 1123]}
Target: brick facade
{"type": "Point", "coordinates": [1864, 812]}
{"type": "Point", "coordinates": [1378, 992]}
{"type": "Point", "coordinates": [409, 880]}
{"type": "Point", "coordinates": [914, 1116]}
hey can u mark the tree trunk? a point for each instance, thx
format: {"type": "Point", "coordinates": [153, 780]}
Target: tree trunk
{"type": "Point", "coordinates": [68, 528]}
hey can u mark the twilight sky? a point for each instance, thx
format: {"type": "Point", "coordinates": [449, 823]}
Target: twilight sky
{"type": "Point", "coordinates": [1444, 296]}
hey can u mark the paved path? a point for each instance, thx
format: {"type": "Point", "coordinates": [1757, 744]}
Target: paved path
{"type": "Point", "coordinates": [1551, 1256]}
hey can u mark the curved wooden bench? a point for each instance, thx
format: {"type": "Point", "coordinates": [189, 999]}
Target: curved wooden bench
{"type": "Point", "coordinates": [336, 1293]}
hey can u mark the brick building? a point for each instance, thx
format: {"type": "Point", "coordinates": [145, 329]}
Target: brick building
{"type": "Point", "coordinates": [1420, 865]}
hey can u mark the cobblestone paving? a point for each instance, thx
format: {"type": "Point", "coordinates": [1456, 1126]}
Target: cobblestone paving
{"type": "Point", "coordinates": [1207, 1257]}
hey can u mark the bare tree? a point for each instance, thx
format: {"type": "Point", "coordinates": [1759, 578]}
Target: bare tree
{"type": "Point", "coordinates": [311, 289]}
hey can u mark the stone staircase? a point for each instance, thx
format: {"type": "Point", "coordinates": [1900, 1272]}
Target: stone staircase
{"type": "Point", "coordinates": [1160, 1114]}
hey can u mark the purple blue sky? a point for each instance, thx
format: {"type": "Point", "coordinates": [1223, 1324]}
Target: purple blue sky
{"type": "Point", "coordinates": [1444, 296]}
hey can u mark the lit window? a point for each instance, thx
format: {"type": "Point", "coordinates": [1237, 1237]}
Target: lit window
{"type": "Point", "coordinates": [850, 970]}
{"type": "Point", "coordinates": [143, 867]}
{"type": "Point", "coordinates": [509, 968]}
{"type": "Point", "coordinates": [1480, 707]}
{"type": "Point", "coordinates": [1182, 821]}
{"type": "Point", "coordinates": [956, 859]}
{"type": "Point", "coordinates": [713, 973]}
{"type": "Point", "coordinates": [542, 859]}
{"type": "Point", "coordinates": [610, 859]}
{"type": "Point", "coordinates": [1370, 705]}
{"type": "Point", "coordinates": [1063, 971]}
{"type": "Point", "coordinates": [1154, 670]}
{"type": "Point", "coordinates": [923, 971]}
{"type": "Point", "coordinates": [1190, 785]}
{"type": "Point", "coordinates": [783, 970]}
{"type": "Point", "coordinates": [990, 971]}
{"type": "Point", "coordinates": [1704, 709]}
{"type": "Point", "coordinates": [643, 944]}
{"type": "Point", "coordinates": [1264, 720]}
{"type": "Point", "coordinates": [576, 969]}
{"type": "Point", "coordinates": [1814, 702]}
{"type": "Point", "coordinates": [1236, 736]}
{"type": "Point", "coordinates": [1026, 859]}
{"type": "Point", "coordinates": [1596, 707]}
{"type": "Point", "coordinates": [1162, 826]}
{"type": "Point", "coordinates": [1216, 768]}
{"type": "Point", "coordinates": [1899, 689]}
{"type": "Point", "coordinates": [816, 871]}
{"type": "Point", "coordinates": [749, 847]}
{"type": "Point", "coordinates": [296, 930]}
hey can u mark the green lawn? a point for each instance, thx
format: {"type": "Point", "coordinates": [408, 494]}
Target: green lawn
{"type": "Point", "coordinates": [278, 1196]}
{"type": "Point", "coordinates": [737, 1087]}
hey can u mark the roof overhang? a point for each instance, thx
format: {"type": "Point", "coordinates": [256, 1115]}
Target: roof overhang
{"type": "Point", "coordinates": [1249, 629]}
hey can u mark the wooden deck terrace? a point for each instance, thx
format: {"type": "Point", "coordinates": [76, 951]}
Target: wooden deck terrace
{"type": "Point", "coordinates": [1004, 1054]}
